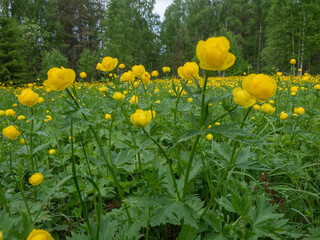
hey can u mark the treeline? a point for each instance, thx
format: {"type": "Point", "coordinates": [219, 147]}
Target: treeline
{"type": "Point", "coordinates": [36, 35]}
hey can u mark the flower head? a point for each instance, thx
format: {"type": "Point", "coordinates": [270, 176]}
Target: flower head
{"type": "Point", "coordinates": [39, 235]}
{"type": "Point", "coordinates": [213, 54]}
{"type": "Point", "coordinates": [83, 75]}
{"type": "Point", "coordinates": [189, 71]}
{"type": "Point", "coordinates": [283, 116]}
{"type": "Point", "coordinates": [52, 151]}
{"type": "Point", "coordinates": [36, 179]}
{"type": "Point", "coordinates": [293, 61]}
{"type": "Point", "coordinates": [242, 97]}
{"type": "Point", "coordinates": [134, 99]}
{"type": "Point", "coordinates": [127, 77]}
{"type": "Point", "coordinates": [109, 63]}
{"type": "Point", "coordinates": [166, 69]}
{"type": "Point", "coordinates": [138, 70]}
{"type": "Point", "coordinates": [155, 74]}
{"type": "Point", "coordinates": [59, 78]}
{"type": "Point", "coordinates": [299, 110]}
{"type": "Point", "coordinates": [209, 137]}
{"type": "Point", "coordinates": [107, 116]}
{"type": "Point", "coordinates": [28, 97]}
{"type": "Point", "coordinates": [141, 118]}
{"type": "Point", "coordinates": [267, 108]}
{"type": "Point", "coordinates": [122, 66]}
{"type": "Point", "coordinates": [118, 96]}
{"type": "Point", "coordinates": [11, 132]}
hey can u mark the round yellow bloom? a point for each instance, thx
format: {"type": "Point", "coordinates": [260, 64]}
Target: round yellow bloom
{"type": "Point", "coordinates": [271, 101]}
{"type": "Point", "coordinates": [59, 78]}
{"type": "Point", "coordinates": [30, 85]}
{"type": "Point", "coordinates": [14, 105]}
{"type": "Point", "coordinates": [103, 89]}
{"type": "Point", "coordinates": [109, 63]}
{"type": "Point", "coordinates": [317, 87]}
{"type": "Point", "coordinates": [283, 116]}
{"type": "Point", "coordinates": [48, 118]}
{"type": "Point", "coordinates": [293, 93]}
{"type": "Point", "coordinates": [52, 151]}
{"type": "Point", "coordinates": [155, 74]}
{"type": "Point", "coordinates": [122, 66]}
{"type": "Point", "coordinates": [146, 77]}
{"type": "Point", "coordinates": [299, 110]}
{"type": "Point", "coordinates": [166, 69]}
{"type": "Point", "coordinates": [134, 99]}
{"type": "Point", "coordinates": [217, 123]}
{"type": "Point", "coordinates": [21, 117]}
{"type": "Point", "coordinates": [213, 54]}
{"type": "Point", "coordinates": [118, 96]}
{"type": "Point", "coordinates": [294, 89]}
{"type": "Point", "coordinates": [242, 97]}
{"type": "Point", "coordinates": [1, 113]}
{"type": "Point", "coordinates": [107, 116]}
{"type": "Point", "coordinates": [83, 75]}
{"type": "Point", "coordinates": [36, 179]}
{"type": "Point", "coordinates": [28, 97]}
{"type": "Point", "coordinates": [22, 141]}
{"type": "Point", "coordinates": [11, 132]}
{"type": "Point", "coordinates": [267, 108]}
{"type": "Point", "coordinates": [141, 118]}
{"type": "Point", "coordinates": [41, 100]}
{"type": "Point", "coordinates": [279, 74]}
{"type": "Point", "coordinates": [293, 61]}
{"type": "Point", "coordinates": [138, 70]}
{"type": "Point", "coordinates": [127, 77]}
{"type": "Point", "coordinates": [190, 99]}
{"type": "Point", "coordinates": [158, 101]}
{"type": "Point", "coordinates": [260, 86]}
{"type": "Point", "coordinates": [189, 71]}
{"type": "Point", "coordinates": [39, 235]}
{"type": "Point", "coordinates": [256, 107]}
{"type": "Point", "coordinates": [209, 137]}
{"type": "Point", "coordinates": [299, 70]}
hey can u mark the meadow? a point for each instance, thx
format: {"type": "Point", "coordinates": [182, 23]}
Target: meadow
{"type": "Point", "coordinates": [172, 156]}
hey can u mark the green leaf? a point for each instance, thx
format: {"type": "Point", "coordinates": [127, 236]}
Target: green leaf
{"type": "Point", "coordinates": [187, 232]}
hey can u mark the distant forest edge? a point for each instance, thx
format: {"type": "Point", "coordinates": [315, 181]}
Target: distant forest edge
{"type": "Point", "coordinates": [264, 34]}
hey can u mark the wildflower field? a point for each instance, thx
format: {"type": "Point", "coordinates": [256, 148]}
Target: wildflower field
{"type": "Point", "coordinates": [139, 155]}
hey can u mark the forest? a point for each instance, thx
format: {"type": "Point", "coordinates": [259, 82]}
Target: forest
{"type": "Point", "coordinates": [264, 34]}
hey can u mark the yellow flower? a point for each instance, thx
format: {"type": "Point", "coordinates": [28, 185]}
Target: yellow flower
{"type": "Point", "coordinates": [267, 108]}
{"type": "Point", "coordinates": [295, 114]}
{"type": "Point", "coordinates": [103, 89]}
{"type": "Point", "coordinates": [41, 100]}
{"type": "Point", "coordinates": [155, 74]}
{"type": "Point", "coordinates": [11, 132]}
{"type": "Point", "coordinates": [59, 78]}
{"type": "Point", "coordinates": [52, 151]}
{"type": "Point", "coordinates": [260, 86]}
{"type": "Point", "coordinates": [213, 54]}
{"type": "Point", "coordinates": [190, 99]}
{"type": "Point", "coordinates": [22, 141]}
{"type": "Point", "coordinates": [293, 93]}
{"type": "Point", "coordinates": [83, 75]}
{"type": "Point", "coordinates": [30, 85]}
{"type": "Point", "coordinates": [317, 87]}
{"type": "Point", "coordinates": [48, 118]}
{"type": "Point", "coordinates": [21, 117]}
{"type": "Point", "coordinates": [14, 105]}
{"type": "Point", "coordinates": [299, 70]}
{"type": "Point", "coordinates": [217, 123]}
{"type": "Point", "coordinates": [138, 70]}
{"type": "Point", "coordinates": [145, 77]}
{"type": "Point", "coordinates": [125, 92]}
{"type": "Point", "coordinates": [158, 101]}
{"type": "Point", "coordinates": [118, 96]}
{"type": "Point", "coordinates": [39, 235]}
{"type": "Point", "coordinates": [28, 97]}
{"type": "Point", "coordinates": [107, 116]}
{"type": "Point", "coordinates": [127, 77]}
{"type": "Point", "coordinates": [209, 137]}
{"type": "Point", "coordinates": [1, 113]}
{"type": "Point", "coordinates": [279, 74]}
{"type": "Point", "coordinates": [36, 179]}
{"type": "Point", "coordinates": [109, 63]}
{"type": "Point", "coordinates": [242, 98]}
{"type": "Point", "coordinates": [271, 101]}
{"type": "Point", "coordinates": [299, 110]}
{"type": "Point", "coordinates": [110, 75]}
{"type": "Point", "coordinates": [256, 107]}
{"type": "Point", "coordinates": [134, 99]}
{"type": "Point", "coordinates": [166, 69]}
{"type": "Point", "coordinates": [283, 116]}
{"type": "Point", "coordinates": [100, 67]}
{"type": "Point", "coordinates": [293, 61]}
{"type": "Point", "coordinates": [189, 71]}
{"type": "Point", "coordinates": [122, 66]}
{"type": "Point", "coordinates": [294, 89]}
{"type": "Point", "coordinates": [141, 118]}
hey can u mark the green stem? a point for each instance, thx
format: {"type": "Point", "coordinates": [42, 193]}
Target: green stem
{"type": "Point", "coordinates": [31, 143]}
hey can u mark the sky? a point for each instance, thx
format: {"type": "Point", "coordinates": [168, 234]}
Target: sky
{"type": "Point", "coordinates": [160, 7]}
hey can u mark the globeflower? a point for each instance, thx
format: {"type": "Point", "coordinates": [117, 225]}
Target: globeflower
{"type": "Point", "coordinates": [52, 151]}
{"type": "Point", "coordinates": [36, 179]}
{"type": "Point", "coordinates": [166, 69]}
{"type": "Point", "coordinates": [134, 99]}
{"type": "Point", "coordinates": [155, 74]}
{"type": "Point", "coordinates": [39, 235]}
{"type": "Point", "coordinates": [293, 61]}
{"type": "Point", "coordinates": [109, 63]}
{"type": "Point", "coordinates": [209, 137]}
{"type": "Point", "coordinates": [28, 97]}
{"type": "Point", "coordinates": [141, 118]}
{"type": "Point", "coordinates": [256, 107]}
{"type": "Point", "coordinates": [267, 108]}
{"type": "Point", "coordinates": [294, 89]}
{"type": "Point", "coordinates": [118, 96]}
{"type": "Point", "coordinates": [21, 117]}
{"type": "Point", "coordinates": [189, 71]}
{"type": "Point", "coordinates": [283, 116]}
{"type": "Point", "coordinates": [83, 75]}
{"type": "Point", "coordinates": [127, 77]}
{"type": "Point", "coordinates": [145, 77]}
{"type": "Point", "coordinates": [214, 55]}
{"type": "Point", "coordinates": [41, 100]}
{"type": "Point", "coordinates": [100, 67]}
{"type": "Point", "coordinates": [260, 86]}
{"type": "Point", "coordinates": [317, 87]}
{"type": "Point", "coordinates": [103, 89]}
{"type": "Point", "coordinates": [299, 110]}
{"type": "Point", "coordinates": [11, 132]}
{"type": "Point", "coordinates": [122, 66]}
{"type": "Point", "coordinates": [242, 97]}
{"type": "Point", "coordinates": [138, 70]}
{"type": "Point", "coordinates": [107, 116]}
{"type": "Point", "coordinates": [59, 78]}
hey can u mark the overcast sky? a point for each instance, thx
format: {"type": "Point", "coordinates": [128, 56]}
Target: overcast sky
{"type": "Point", "coordinates": [160, 7]}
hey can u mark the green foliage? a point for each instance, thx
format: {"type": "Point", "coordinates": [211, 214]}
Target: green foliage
{"type": "Point", "coordinates": [87, 63]}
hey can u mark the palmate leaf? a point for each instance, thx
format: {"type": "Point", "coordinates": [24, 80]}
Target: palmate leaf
{"type": "Point", "coordinates": [187, 232]}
